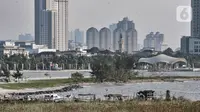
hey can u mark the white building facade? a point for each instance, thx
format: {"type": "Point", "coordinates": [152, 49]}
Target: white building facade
{"type": "Point", "coordinates": [92, 38]}
{"type": "Point", "coordinates": [13, 50]}
{"type": "Point", "coordinates": [105, 38]}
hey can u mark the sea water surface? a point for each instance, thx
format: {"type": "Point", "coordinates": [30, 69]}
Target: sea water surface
{"type": "Point", "coordinates": [188, 89]}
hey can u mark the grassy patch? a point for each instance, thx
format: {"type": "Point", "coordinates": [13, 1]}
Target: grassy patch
{"type": "Point", "coordinates": [103, 107]}
{"type": "Point", "coordinates": [41, 83]}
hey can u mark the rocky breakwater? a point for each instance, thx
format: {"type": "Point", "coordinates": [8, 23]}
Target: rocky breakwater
{"type": "Point", "coordinates": [64, 89]}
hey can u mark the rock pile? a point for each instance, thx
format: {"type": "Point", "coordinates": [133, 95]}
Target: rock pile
{"type": "Point", "coordinates": [65, 89]}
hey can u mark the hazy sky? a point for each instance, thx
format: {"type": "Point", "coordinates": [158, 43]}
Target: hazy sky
{"type": "Point", "coordinates": [17, 16]}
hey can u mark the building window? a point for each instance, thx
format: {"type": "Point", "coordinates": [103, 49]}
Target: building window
{"type": "Point", "coordinates": [196, 50]}
{"type": "Point", "coordinates": [195, 42]}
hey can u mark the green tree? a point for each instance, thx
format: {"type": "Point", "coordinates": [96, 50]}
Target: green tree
{"type": "Point", "coordinates": [168, 52]}
{"type": "Point", "coordinates": [77, 77]}
{"type": "Point", "coordinates": [18, 75]}
{"type": "Point", "coordinates": [7, 74]}
{"type": "Point", "coordinates": [100, 66]}
{"type": "Point", "coordinates": [112, 68]}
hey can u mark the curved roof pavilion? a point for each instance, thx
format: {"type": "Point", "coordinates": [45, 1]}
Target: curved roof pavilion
{"type": "Point", "coordinates": [162, 58]}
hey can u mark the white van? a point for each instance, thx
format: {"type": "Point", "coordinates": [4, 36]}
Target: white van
{"type": "Point", "coordinates": [52, 97]}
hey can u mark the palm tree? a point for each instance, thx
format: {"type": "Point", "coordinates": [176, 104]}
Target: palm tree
{"type": "Point", "coordinates": [6, 73]}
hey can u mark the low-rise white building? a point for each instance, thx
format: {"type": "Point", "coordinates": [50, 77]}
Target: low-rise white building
{"type": "Point", "coordinates": [7, 43]}
{"type": "Point", "coordinates": [12, 50]}
{"type": "Point", "coordinates": [37, 51]}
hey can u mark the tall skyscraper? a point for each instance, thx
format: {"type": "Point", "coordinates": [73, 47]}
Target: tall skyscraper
{"type": "Point", "coordinates": [112, 28]}
{"type": "Point", "coordinates": [195, 24]}
{"type": "Point", "coordinates": [78, 36]}
{"type": "Point", "coordinates": [105, 38]}
{"type": "Point", "coordinates": [191, 44]}
{"type": "Point", "coordinates": [39, 7]}
{"type": "Point", "coordinates": [154, 41]}
{"type": "Point", "coordinates": [131, 42]}
{"type": "Point", "coordinates": [117, 35]}
{"type": "Point", "coordinates": [92, 38]}
{"type": "Point", "coordinates": [51, 23]}
{"type": "Point", "coordinates": [126, 29]}
{"type": "Point", "coordinates": [62, 40]}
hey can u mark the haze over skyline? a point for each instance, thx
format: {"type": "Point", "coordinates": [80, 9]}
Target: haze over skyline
{"type": "Point", "coordinates": [17, 16]}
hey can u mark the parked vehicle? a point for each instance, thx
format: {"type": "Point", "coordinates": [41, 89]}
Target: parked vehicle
{"type": "Point", "coordinates": [53, 97]}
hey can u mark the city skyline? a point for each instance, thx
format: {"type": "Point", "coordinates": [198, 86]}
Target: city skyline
{"type": "Point", "coordinates": [82, 15]}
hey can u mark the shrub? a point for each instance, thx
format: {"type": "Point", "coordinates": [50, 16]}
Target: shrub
{"type": "Point", "coordinates": [77, 77]}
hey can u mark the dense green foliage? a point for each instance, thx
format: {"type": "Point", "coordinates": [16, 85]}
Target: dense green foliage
{"type": "Point", "coordinates": [77, 77]}
{"type": "Point", "coordinates": [105, 67]}
{"type": "Point", "coordinates": [112, 68]}
{"type": "Point", "coordinates": [22, 62]}
{"type": "Point", "coordinates": [81, 62]}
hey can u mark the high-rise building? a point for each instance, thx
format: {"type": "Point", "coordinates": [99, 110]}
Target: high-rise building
{"type": "Point", "coordinates": [195, 24]}
{"type": "Point", "coordinates": [105, 38]}
{"type": "Point", "coordinates": [126, 24]}
{"type": "Point", "coordinates": [191, 44]}
{"type": "Point", "coordinates": [76, 38]}
{"type": "Point", "coordinates": [72, 36]}
{"type": "Point", "coordinates": [126, 29]}
{"type": "Point", "coordinates": [62, 40]}
{"type": "Point", "coordinates": [79, 36]}
{"type": "Point", "coordinates": [51, 23]}
{"type": "Point", "coordinates": [131, 42]}
{"type": "Point", "coordinates": [92, 38]}
{"type": "Point", "coordinates": [154, 41]}
{"type": "Point", "coordinates": [39, 7]}
{"type": "Point", "coordinates": [117, 35]}
{"type": "Point", "coordinates": [112, 28]}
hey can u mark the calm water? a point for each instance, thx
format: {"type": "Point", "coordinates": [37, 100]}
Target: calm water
{"type": "Point", "coordinates": [189, 90]}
